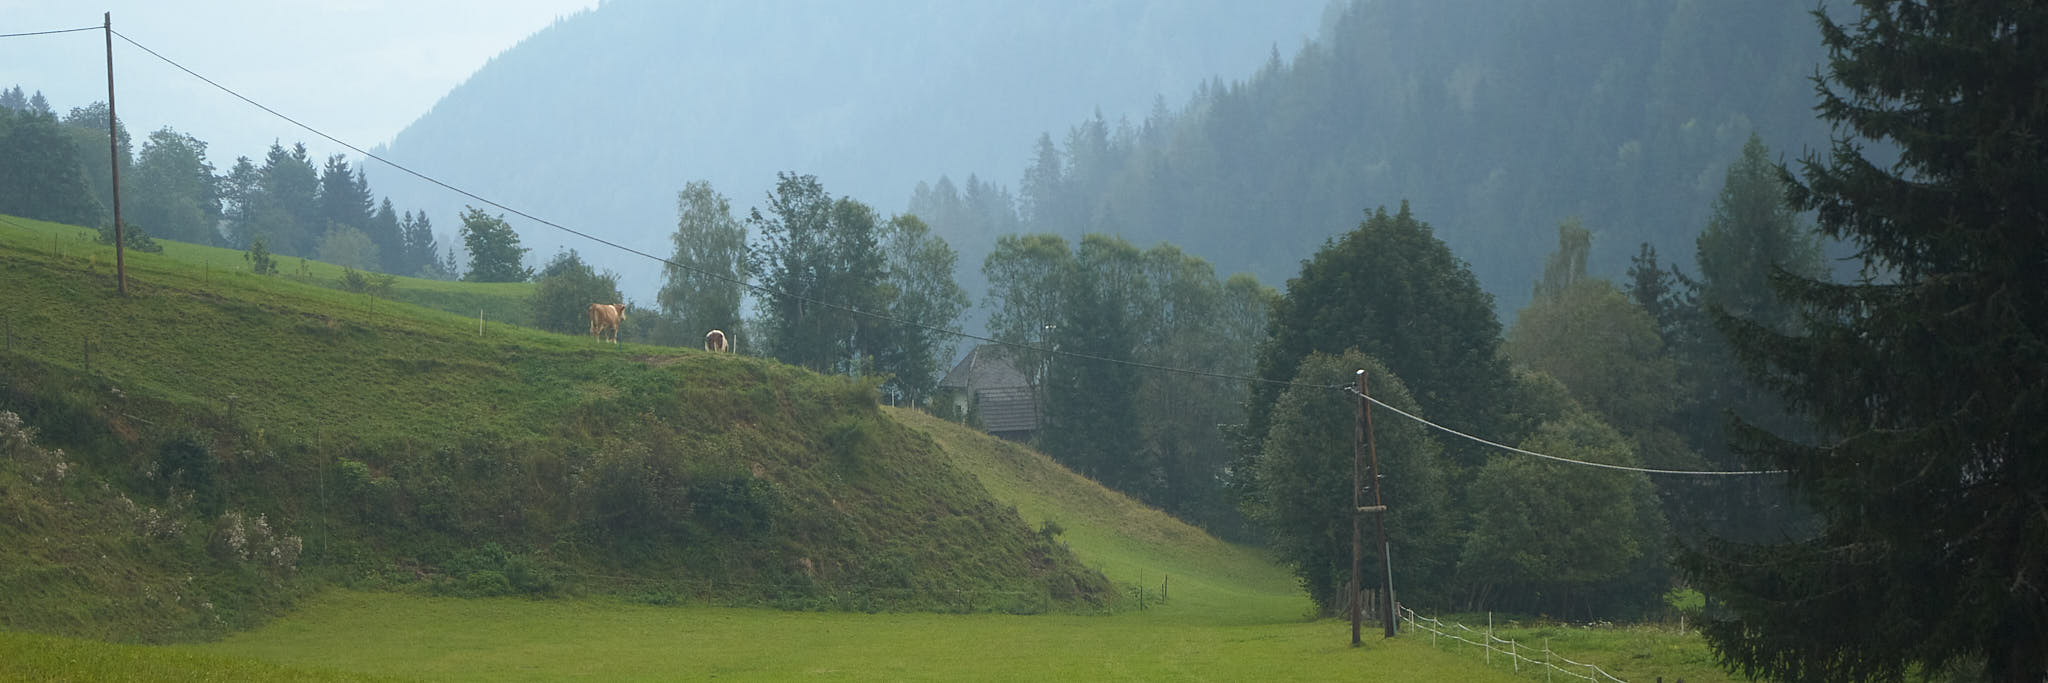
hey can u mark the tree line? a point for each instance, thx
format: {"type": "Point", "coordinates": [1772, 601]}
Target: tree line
{"type": "Point", "coordinates": [58, 169]}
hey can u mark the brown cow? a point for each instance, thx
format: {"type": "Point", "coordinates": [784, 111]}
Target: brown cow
{"type": "Point", "coordinates": [604, 316]}
{"type": "Point", "coordinates": [716, 340]}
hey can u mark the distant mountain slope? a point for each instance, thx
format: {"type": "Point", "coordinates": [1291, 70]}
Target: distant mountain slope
{"type": "Point", "coordinates": [1496, 118]}
{"type": "Point", "coordinates": [600, 119]}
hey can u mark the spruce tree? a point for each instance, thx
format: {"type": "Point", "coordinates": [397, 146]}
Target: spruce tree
{"type": "Point", "coordinates": [1924, 379]}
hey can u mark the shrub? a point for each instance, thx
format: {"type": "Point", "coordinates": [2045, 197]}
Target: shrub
{"type": "Point", "coordinates": [259, 258]}
{"type": "Point", "coordinates": [132, 237]}
{"type": "Point", "coordinates": [183, 462]}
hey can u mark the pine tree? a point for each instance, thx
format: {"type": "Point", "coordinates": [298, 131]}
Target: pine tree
{"type": "Point", "coordinates": [1924, 379]}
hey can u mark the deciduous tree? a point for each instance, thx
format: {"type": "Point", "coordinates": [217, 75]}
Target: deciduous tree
{"type": "Point", "coordinates": [494, 251]}
{"type": "Point", "coordinates": [174, 191]}
{"type": "Point", "coordinates": [1391, 289]}
{"type": "Point", "coordinates": [711, 246]}
{"type": "Point", "coordinates": [1301, 485]}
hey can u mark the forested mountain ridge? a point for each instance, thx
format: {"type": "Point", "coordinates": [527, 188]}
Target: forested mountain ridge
{"type": "Point", "coordinates": [597, 121]}
{"type": "Point", "coordinates": [1496, 120]}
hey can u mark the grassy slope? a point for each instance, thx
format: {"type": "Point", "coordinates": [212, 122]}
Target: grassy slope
{"type": "Point", "coordinates": [497, 301]}
{"type": "Point", "coordinates": [1230, 614]}
{"type": "Point", "coordinates": [625, 470]}
{"type": "Point", "coordinates": [1129, 542]}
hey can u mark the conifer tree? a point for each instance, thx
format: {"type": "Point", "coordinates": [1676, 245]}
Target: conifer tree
{"type": "Point", "coordinates": [1924, 379]}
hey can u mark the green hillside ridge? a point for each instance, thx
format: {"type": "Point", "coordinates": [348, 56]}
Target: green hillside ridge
{"type": "Point", "coordinates": [238, 440]}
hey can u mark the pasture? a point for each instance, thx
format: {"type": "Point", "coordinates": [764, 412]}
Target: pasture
{"type": "Point", "coordinates": [332, 374]}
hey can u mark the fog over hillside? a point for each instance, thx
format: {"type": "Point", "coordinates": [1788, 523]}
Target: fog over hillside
{"type": "Point", "coordinates": [597, 121]}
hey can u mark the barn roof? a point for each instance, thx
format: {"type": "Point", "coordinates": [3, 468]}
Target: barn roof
{"type": "Point", "coordinates": [988, 365]}
{"type": "Point", "coordinates": [1001, 392]}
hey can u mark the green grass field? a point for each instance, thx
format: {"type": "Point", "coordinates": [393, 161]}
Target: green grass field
{"type": "Point", "coordinates": [322, 374]}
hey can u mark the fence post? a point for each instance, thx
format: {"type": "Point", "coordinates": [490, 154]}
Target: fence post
{"type": "Point", "coordinates": [88, 353]}
{"type": "Point", "coordinates": [1546, 661]}
{"type": "Point", "coordinates": [1489, 638]}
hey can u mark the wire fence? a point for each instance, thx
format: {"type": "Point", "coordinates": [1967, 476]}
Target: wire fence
{"type": "Point", "coordinates": [1513, 651]}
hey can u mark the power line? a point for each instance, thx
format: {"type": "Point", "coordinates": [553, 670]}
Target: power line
{"type": "Point", "coordinates": [1502, 446]}
{"type": "Point", "coordinates": [45, 33]}
{"type": "Point", "coordinates": [760, 289]}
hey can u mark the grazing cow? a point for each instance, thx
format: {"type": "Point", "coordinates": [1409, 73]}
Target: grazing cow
{"type": "Point", "coordinates": [716, 340]}
{"type": "Point", "coordinates": [604, 316]}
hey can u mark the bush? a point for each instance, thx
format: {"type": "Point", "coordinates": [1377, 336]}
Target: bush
{"type": "Point", "coordinates": [564, 291]}
{"type": "Point", "coordinates": [377, 285]}
{"type": "Point", "coordinates": [259, 258]}
{"type": "Point", "coordinates": [183, 462]}
{"type": "Point", "coordinates": [735, 505]}
{"type": "Point", "coordinates": [132, 237]}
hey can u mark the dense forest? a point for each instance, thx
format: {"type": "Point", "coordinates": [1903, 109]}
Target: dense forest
{"type": "Point", "coordinates": [1496, 119]}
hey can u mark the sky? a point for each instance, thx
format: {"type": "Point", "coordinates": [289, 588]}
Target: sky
{"type": "Point", "coordinates": [360, 70]}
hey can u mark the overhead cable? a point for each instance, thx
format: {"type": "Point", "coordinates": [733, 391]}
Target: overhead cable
{"type": "Point", "coordinates": [1646, 470]}
{"type": "Point", "coordinates": [45, 33]}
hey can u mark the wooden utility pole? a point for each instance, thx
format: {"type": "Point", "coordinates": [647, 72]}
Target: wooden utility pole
{"type": "Point", "coordinates": [114, 157]}
{"type": "Point", "coordinates": [1379, 509]}
{"type": "Point", "coordinates": [1357, 512]}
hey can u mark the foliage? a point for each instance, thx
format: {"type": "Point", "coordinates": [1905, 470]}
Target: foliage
{"type": "Point", "coordinates": [173, 189]}
{"type": "Point", "coordinates": [419, 257]}
{"type": "Point", "coordinates": [260, 261]}
{"type": "Point", "coordinates": [1391, 289]}
{"type": "Point", "coordinates": [40, 172]}
{"type": "Point", "coordinates": [133, 237]}
{"type": "Point", "coordinates": [1486, 113]}
{"type": "Point", "coordinates": [347, 247]}
{"type": "Point", "coordinates": [564, 291]}
{"type": "Point", "coordinates": [711, 246]}
{"type": "Point", "coordinates": [1752, 233]}
{"type": "Point", "coordinates": [1091, 389]}
{"type": "Point", "coordinates": [280, 200]}
{"type": "Point", "coordinates": [1026, 281]}
{"type": "Point", "coordinates": [87, 128]}
{"type": "Point", "coordinates": [1560, 539]}
{"type": "Point", "coordinates": [1604, 348]}
{"type": "Point", "coordinates": [381, 285]}
{"type": "Point", "coordinates": [1301, 485]}
{"type": "Point", "coordinates": [494, 251]}
{"type": "Point", "coordinates": [1922, 380]}
{"type": "Point", "coordinates": [926, 303]}
{"type": "Point", "coordinates": [821, 260]}
{"type": "Point", "coordinates": [1567, 265]}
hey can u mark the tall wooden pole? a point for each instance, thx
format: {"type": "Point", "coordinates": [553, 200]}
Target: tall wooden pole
{"type": "Point", "coordinates": [1357, 482]}
{"type": "Point", "coordinates": [114, 157]}
{"type": "Point", "coordinates": [1379, 519]}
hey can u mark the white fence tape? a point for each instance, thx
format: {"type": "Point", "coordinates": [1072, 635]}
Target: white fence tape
{"type": "Point", "coordinates": [1513, 651]}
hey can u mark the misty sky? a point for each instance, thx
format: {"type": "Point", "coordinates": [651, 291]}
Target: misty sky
{"type": "Point", "coordinates": [358, 69]}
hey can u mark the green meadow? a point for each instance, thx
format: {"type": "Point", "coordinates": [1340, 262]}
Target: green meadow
{"type": "Point", "coordinates": [423, 463]}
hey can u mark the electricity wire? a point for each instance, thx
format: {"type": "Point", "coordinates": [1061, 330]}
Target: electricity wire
{"type": "Point", "coordinates": [45, 33]}
{"type": "Point", "coordinates": [760, 289]}
{"type": "Point", "coordinates": [1646, 470]}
